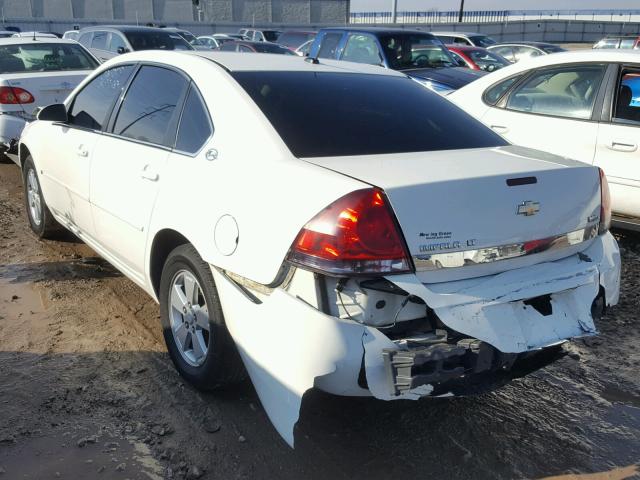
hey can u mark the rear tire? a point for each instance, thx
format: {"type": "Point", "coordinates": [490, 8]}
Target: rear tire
{"type": "Point", "coordinates": [193, 325]}
{"type": "Point", "coordinates": [40, 218]}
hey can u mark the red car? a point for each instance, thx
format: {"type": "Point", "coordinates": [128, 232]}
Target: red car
{"type": "Point", "coordinates": [477, 58]}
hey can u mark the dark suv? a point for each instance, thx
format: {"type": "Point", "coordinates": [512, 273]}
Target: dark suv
{"type": "Point", "coordinates": [420, 55]}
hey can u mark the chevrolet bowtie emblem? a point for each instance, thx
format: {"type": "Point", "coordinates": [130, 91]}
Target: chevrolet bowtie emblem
{"type": "Point", "coordinates": [528, 208]}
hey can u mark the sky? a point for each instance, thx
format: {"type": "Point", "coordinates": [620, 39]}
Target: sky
{"type": "Point", "coordinates": [448, 5]}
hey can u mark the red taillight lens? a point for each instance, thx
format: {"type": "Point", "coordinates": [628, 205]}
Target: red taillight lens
{"type": "Point", "coordinates": [357, 234]}
{"type": "Point", "coordinates": [605, 204]}
{"type": "Point", "coordinates": [15, 95]}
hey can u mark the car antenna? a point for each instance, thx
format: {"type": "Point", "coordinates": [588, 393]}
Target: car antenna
{"type": "Point", "coordinates": [34, 35]}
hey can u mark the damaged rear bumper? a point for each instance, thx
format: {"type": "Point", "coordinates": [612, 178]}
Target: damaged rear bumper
{"type": "Point", "coordinates": [494, 328]}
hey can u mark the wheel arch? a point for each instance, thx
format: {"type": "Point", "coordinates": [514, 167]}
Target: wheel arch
{"type": "Point", "coordinates": [23, 153]}
{"type": "Point", "coordinates": [164, 242]}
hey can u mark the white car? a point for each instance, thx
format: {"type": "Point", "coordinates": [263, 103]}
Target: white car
{"type": "Point", "coordinates": [34, 34]}
{"type": "Point", "coordinates": [583, 105]}
{"type": "Point", "coordinates": [34, 74]}
{"type": "Point", "coordinates": [211, 41]}
{"type": "Point", "coordinates": [293, 212]}
{"type": "Point", "coordinates": [71, 35]}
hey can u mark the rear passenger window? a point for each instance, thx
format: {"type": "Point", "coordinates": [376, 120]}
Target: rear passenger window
{"type": "Point", "coordinates": [149, 106]}
{"type": "Point", "coordinates": [85, 39]}
{"type": "Point", "coordinates": [195, 126]}
{"type": "Point", "coordinates": [568, 92]}
{"type": "Point", "coordinates": [100, 40]}
{"type": "Point", "coordinates": [92, 105]}
{"type": "Point", "coordinates": [495, 93]}
{"type": "Point", "coordinates": [329, 45]}
{"type": "Point", "coordinates": [116, 42]}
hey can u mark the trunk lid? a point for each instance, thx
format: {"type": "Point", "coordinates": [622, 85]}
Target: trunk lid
{"type": "Point", "coordinates": [46, 87]}
{"type": "Point", "coordinates": [460, 201]}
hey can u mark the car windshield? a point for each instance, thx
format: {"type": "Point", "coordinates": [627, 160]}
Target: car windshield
{"type": "Point", "coordinates": [487, 60]}
{"type": "Point", "coordinates": [271, 48]}
{"type": "Point", "coordinates": [271, 35]}
{"type": "Point", "coordinates": [482, 41]}
{"type": "Point", "coordinates": [360, 114]}
{"type": "Point", "coordinates": [40, 57]}
{"type": "Point", "coordinates": [413, 50]}
{"type": "Point", "coordinates": [157, 41]}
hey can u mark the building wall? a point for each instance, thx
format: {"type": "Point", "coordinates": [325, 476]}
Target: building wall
{"type": "Point", "coordinates": [171, 11]}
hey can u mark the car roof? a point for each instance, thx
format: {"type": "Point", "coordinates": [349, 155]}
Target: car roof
{"type": "Point", "coordinates": [375, 30]}
{"type": "Point", "coordinates": [528, 43]}
{"type": "Point", "coordinates": [24, 40]}
{"type": "Point", "coordinates": [460, 34]}
{"type": "Point", "coordinates": [252, 62]}
{"type": "Point", "coordinates": [466, 48]}
{"type": "Point", "coordinates": [124, 28]}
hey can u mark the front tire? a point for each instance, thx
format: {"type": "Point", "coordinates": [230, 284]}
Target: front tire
{"type": "Point", "coordinates": [40, 218]}
{"type": "Point", "coordinates": [194, 330]}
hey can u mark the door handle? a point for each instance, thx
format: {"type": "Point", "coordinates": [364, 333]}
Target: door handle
{"type": "Point", "coordinates": [500, 128]}
{"type": "Point", "coordinates": [149, 174]}
{"type": "Point", "coordinates": [83, 152]}
{"type": "Point", "coordinates": [623, 145]}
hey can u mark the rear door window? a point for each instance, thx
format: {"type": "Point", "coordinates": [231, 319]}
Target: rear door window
{"type": "Point", "coordinates": [362, 48]}
{"type": "Point", "coordinates": [627, 104]}
{"type": "Point", "coordinates": [329, 45]}
{"type": "Point", "coordinates": [195, 126]}
{"type": "Point", "coordinates": [92, 105]}
{"type": "Point", "coordinates": [149, 106]}
{"type": "Point", "coordinates": [117, 42]}
{"type": "Point", "coordinates": [568, 92]}
{"type": "Point", "coordinates": [85, 39]}
{"type": "Point", "coordinates": [506, 52]}
{"type": "Point", "coordinates": [100, 40]}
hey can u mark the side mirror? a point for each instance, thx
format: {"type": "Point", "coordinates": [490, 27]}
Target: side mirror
{"type": "Point", "coordinates": [54, 113]}
{"type": "Point", "coordinates": [122, 50]}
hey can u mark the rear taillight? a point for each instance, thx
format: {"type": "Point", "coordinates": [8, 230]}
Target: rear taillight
{"type": "Point", "coordinates": [605, 204]}
{"type": "Point", "coordinates": [357, 234]}
{"type": "Point", "coordinates": [15, 95]}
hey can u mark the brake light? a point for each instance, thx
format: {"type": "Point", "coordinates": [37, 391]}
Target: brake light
{"type": "Point", "coordinates": [357, 234]}
{"type": "Point", "coordinates": [605, 204]}
{"type": "Point", "coordinates": [15, 96]}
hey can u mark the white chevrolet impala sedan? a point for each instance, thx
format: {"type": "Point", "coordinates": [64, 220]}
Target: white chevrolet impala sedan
{"type": "Point", "coordinates": [321, 224]}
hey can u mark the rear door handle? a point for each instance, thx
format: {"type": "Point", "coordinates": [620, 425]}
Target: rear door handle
{"type": "Point", "coordinates": [623, 145]}
{"type": "Point", "coordinates": [149, 174]}
{"type": "Point", "coordinates": [500, 128]}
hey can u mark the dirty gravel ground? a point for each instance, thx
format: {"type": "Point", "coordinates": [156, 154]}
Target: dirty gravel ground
{"type": "Point", "coordinates": [87, 391]}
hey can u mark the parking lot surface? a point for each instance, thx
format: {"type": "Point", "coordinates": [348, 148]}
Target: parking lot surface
{"type": "Point", "coordinates": [87, 391]}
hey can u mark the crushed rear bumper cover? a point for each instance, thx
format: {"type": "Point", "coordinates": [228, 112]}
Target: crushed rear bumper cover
{"type": "Point", "coordinates": [289, 346]}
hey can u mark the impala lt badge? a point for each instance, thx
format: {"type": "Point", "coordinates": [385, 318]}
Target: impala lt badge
{"type": "Point", "coordinates": [528, 208]}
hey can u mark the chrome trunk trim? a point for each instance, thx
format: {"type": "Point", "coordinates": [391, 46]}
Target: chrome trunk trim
{"type": "Point", "coordinates": [436, 261]}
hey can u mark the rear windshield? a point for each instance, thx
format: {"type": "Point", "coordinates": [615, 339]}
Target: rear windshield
{"type": "Point", "coordinates": [295, 39]}
{"type": "Point", "coordinates": [412, 50]}
{"type": "Point", "coordinates": [157, 41]}
{"type": "Point", "coordinates": [271, 35]}
{"type": "Point", "coordinates": [553, 49]}
{"type": "Point", "coordinates": [340, 114]}
{"type": "Point", "coordinates": [271, 48]}
{"type": "Point", "coordinates": [40, 57]}
{"type": "Point", "coordinates": [482, 41]}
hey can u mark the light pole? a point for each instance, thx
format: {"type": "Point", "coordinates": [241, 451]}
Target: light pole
{"type": "Point", "coordinates": [394, 11]}
{"type": "Point", "coordinates": [461, 11]}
